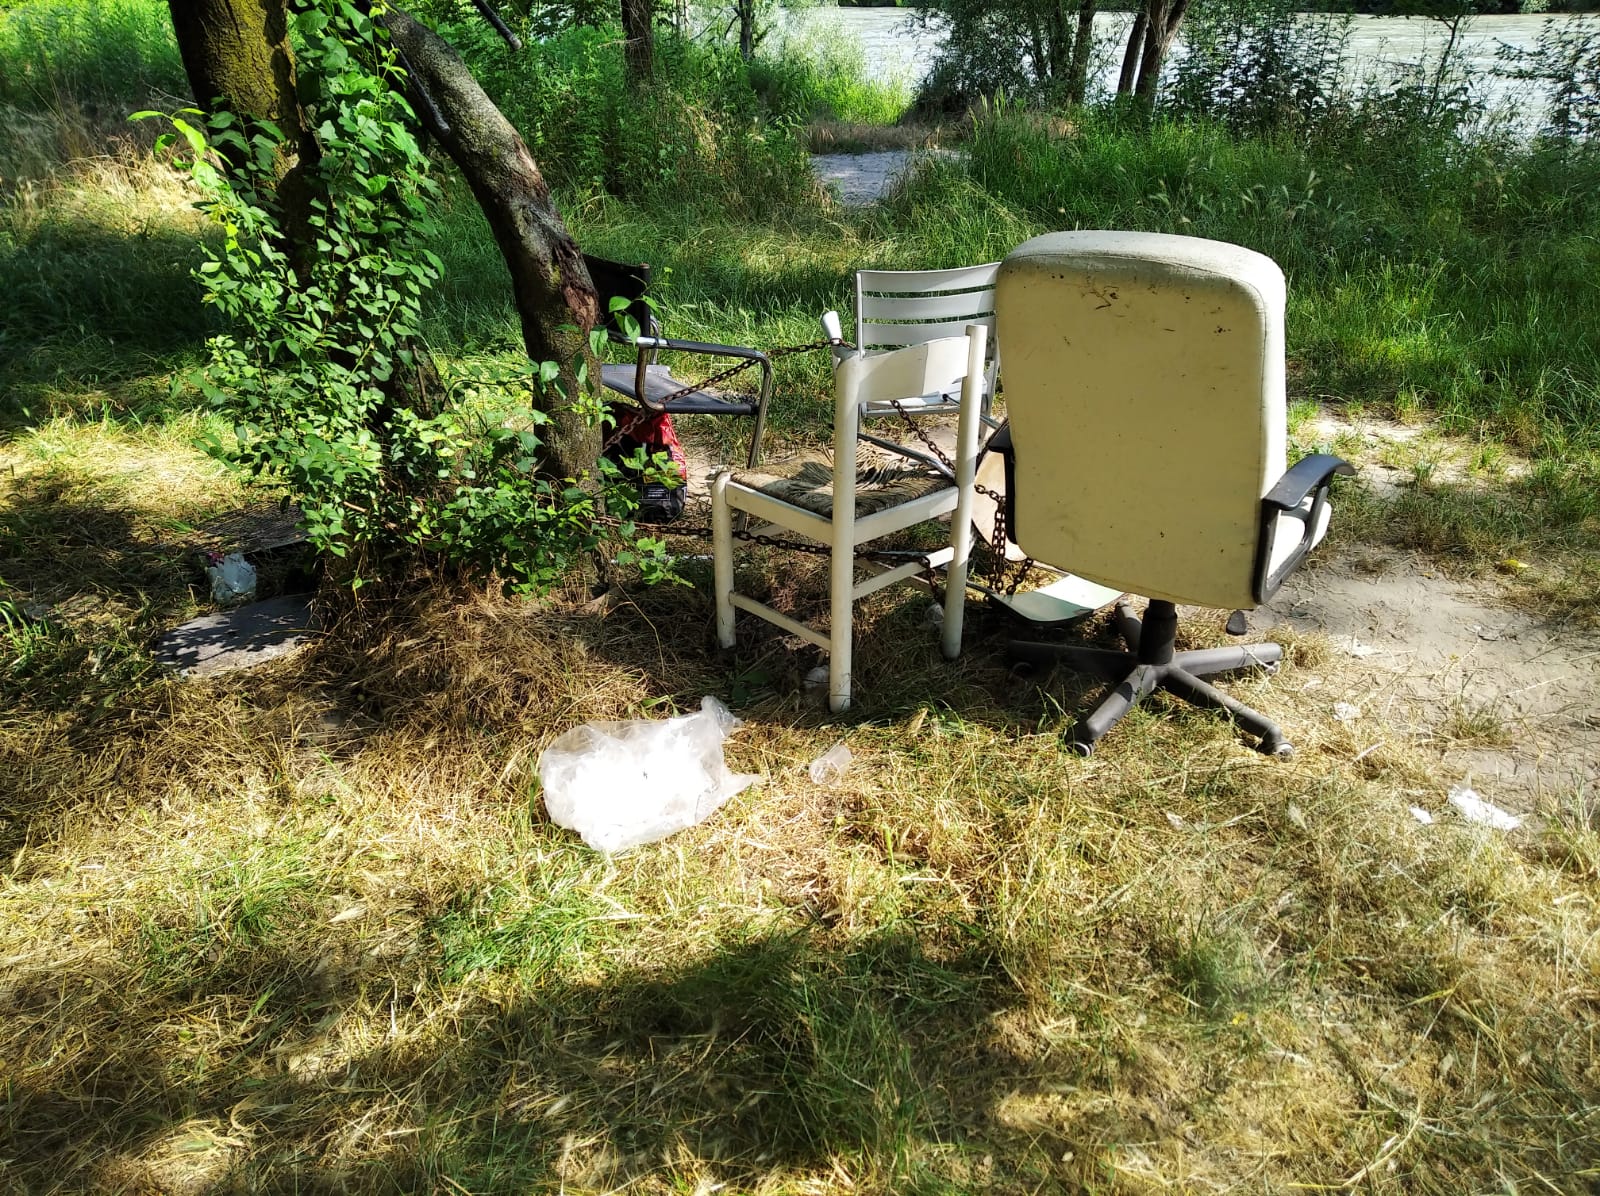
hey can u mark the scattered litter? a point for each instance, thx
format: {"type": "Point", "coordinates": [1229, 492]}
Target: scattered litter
{"type": "Point", "coordinates": [831, 765]}
{"type": "Point", "coordinates": [1366, 751]}
{"type": "Point", "coordinates": [1344, 712]}
{"type": "Point", "coordinates": [1421, 815]}
{"type": "Point", "coordinates": [817, 678]}
{"type": "Point", "coordinates": [1511, 565]}
{"type": "Point", "coordinates": [1350, 646]}
{"type": "Point", "coordinates": [620, 784]}
{"type": "Point", "coordinates": [934, 616]}
{"type": "Point", "coordinates": [1296, 815]}
{"type": "Point", "coordinates": [1177, 822]}
{"type": "Point", "coordinates": [233, 579]}
{"type": "Point", "coordinates": [1474, 809]}
{"type": "Point", "coordinates": [1486, 633]}
{"type": "Point", "coordinates": [347, 915]}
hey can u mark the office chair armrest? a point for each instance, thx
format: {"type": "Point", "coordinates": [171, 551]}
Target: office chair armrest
{"type": "Point", "coordinates": [1304, 476]}
{"type": "Point", "coordinates": [1308, 477]}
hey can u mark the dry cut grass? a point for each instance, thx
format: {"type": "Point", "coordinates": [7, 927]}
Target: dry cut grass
{"type": "Point", "coordinates": [307, 928]}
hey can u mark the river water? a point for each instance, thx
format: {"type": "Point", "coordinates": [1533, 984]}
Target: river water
{"type": "Point", "coordinates": [1377, 48]}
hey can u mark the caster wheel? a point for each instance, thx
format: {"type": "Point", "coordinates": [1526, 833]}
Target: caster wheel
{"type": "Point", "coordinates": [1080, 748]}
{"type": "Point", "coordinates": [1280, 750]}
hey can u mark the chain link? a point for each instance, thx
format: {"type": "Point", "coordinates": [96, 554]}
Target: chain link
{"type": "Point", "coordinates": [999, 567]}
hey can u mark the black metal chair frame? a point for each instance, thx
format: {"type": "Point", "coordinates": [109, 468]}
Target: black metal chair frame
{"type": "Point", "coordinates": [652, 386]}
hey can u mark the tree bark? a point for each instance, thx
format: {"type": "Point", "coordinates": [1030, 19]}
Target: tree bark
{"type": "Point", "coordinates": [1165, 17]}
{"type": "Point", "coordinates": [1078, 82]}
{"type": "Point", "coordinates": [746, 10]}
{"type": "Point", "coordinates": [554, 296]}
{"type": "Point", "coordinates": [1130, 56]}
{"type": "Point", "coordinates": [639, 46]}
{"type": "Point", "coordinates": [237, 56]}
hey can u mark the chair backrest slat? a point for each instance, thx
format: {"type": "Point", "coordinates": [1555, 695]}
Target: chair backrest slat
{"type": "Point", "coordinates": [967, 304]}
{"type": "Point", "coordinates": [876, 336]}
{"type": "Point", "coordinates": [926, 368]}
{"type": "Point", "coordinates": [960, 278]}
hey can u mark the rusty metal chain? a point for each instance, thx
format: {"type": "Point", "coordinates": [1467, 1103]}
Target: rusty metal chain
{"type": "Point", "coordinates": [999, 567]}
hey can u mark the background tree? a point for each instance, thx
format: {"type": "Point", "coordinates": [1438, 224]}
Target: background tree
{"type": "Point", "coordinates": [638, 31]}
{"type": "Point", "coordinates": [1041, 50]}
{"type": "Point", "coordinates": [1155, 28]}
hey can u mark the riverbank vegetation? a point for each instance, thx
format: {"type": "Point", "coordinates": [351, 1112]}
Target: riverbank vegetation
{"type": "Point", "coordinates": [306, 928]}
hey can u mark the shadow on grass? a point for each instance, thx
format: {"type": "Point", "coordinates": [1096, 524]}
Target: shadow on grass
{"type": "Point", "coordinates": [773, 1055]}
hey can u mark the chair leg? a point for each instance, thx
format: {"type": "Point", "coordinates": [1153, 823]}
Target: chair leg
{"type": "Point", "coordinates": [722, 558]}
{"type": "Point", "coordinates": [1197, 693]}
{"type": "Point", "coordinates": [955, 588]}
{"type": "Point", "coordinates": [841, 609]}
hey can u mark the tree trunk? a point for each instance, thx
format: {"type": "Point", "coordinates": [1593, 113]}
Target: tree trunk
{"type": "Point", "coordinates": [1130, 56]}
{"type": "Point", "coordinates": [1163, 28]}
{"type": "Point", "coordinates": [1078, 81]}
{"type": "Point", "coordinates": [237, 56]}
{"type": "Point", "coordinates": [747, 28]}
{"type": "Point", "coordinates": [1059, 41]}
{"type": "Point", "coordinates": [639, 45]}
{"type": "Point", "coordinates": [549, 281]}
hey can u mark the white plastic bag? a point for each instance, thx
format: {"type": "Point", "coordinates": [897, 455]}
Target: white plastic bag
{"type": "Point", "coordinates": [233, 579]}
{"type": "Point", "coordinates": [622, 784]}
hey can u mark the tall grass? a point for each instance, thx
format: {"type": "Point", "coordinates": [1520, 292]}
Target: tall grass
{"type": "Point", "coordinates": [106, 52]}
{"type": "Point", "coordinates": [1422, 262]}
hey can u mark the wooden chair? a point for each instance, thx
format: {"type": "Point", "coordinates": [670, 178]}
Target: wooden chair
{"type": "Point", "coordinates": [836, 507]}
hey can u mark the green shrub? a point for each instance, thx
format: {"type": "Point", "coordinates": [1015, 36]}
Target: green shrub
{"type": "Point", "coordinates": [697, 136]}
{"type": "Point", "coordinates": [1258, 65]}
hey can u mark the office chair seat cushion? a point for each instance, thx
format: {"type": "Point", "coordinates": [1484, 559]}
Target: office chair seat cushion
{"type": "Point", "coordinates": [810, 487]}
{"type": "Point", "coordinates": [659, 383]}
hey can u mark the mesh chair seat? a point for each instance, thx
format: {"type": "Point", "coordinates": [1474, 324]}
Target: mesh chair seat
{"type": "Point", "coordinates": [659, 383]}
{"type": "Point", "coordinates": [810, 487]}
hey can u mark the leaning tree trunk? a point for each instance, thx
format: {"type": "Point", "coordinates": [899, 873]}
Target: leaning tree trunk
{"type": "Point", "coordinates": [1165, 17]}
{"type": "Point", "coordinates": [554, 295]}
{"type": "Point", "coordinates": [1130, 56]}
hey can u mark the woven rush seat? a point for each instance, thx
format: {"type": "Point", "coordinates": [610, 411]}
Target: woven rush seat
{"type": "Point", "coordinates": [810, 487]}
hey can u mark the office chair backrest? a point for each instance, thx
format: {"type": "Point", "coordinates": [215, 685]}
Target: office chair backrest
{"type": "Point", "coordinates": [1145, 390]}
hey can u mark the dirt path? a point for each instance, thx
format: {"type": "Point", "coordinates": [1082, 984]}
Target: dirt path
{"type": "Point", "coordinates": [860, 178]}
{"type": "Point", "coordinates": [1507, 698]}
